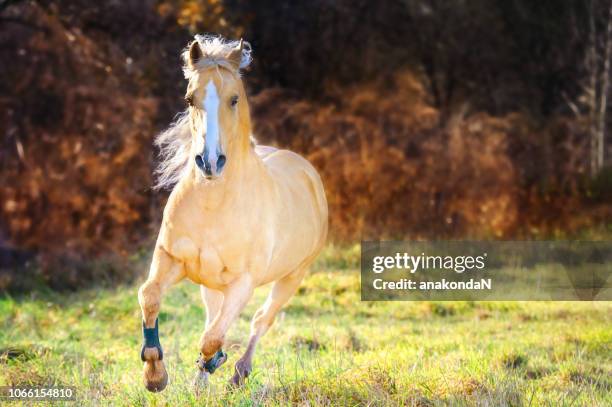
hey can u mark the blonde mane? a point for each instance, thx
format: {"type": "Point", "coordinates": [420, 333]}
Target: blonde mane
{"type": "Point", "coordinates": [174, 143]}
{"type": "Point", "coordinates": [174, 146]}
{"type": "Point", "coordinates": [215, 50]}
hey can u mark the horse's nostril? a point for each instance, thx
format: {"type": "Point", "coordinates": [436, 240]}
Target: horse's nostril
{"type": "Point", "coordinates": [199, 161]}
{"type": "Point", "coordinates": [220, 162]}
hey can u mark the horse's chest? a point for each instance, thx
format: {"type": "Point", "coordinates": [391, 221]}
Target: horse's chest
{"type": "Point", "coordinates": [215, 262]}
{"type": "Point", "coordinates": [216, 247]}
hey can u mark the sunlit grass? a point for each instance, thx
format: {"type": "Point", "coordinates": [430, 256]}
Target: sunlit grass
{"type": "Point", "coordinates": [327, 347]}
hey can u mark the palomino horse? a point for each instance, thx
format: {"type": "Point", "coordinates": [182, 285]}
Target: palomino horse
{"type": "Point", "coordinates": [239, 215]}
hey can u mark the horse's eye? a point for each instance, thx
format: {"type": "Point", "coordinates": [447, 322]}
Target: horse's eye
{"type": "Point", "coordinates": [189, 100]}
{"type": "Point", "coordinates": [234, 101]}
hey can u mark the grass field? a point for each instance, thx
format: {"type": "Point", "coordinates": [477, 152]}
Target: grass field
{"type": "Point", "coordinates": [327, 347]}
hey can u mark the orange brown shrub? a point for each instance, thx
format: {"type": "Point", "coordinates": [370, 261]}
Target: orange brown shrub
{"type": "Point", "coordinates": [76, 168]}
{"type": "Point", "coordinates": [393, 171]}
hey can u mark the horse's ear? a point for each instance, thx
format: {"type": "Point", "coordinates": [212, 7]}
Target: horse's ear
{"type": "Point", "coordinates": [195, 53]}
{"type": "Point", "coordinates": [235, 55]}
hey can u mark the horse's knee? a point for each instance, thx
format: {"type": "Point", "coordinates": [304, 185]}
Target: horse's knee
{"type": "Point", "coordinates": [149, 297]}
{"type": "Point", "coordinates": [210, 344]}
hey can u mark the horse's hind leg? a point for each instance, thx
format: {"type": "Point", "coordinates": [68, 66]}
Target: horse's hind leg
{"type": "Point", "coordinates": [281, 292]}
{"type": "Point", "coordinates": [163, 273]}
{"type": "Point", "coordinates": [213, 300]}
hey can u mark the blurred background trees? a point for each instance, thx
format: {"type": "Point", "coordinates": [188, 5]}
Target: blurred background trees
{"type": "Point", "coordinates": [427, 118]}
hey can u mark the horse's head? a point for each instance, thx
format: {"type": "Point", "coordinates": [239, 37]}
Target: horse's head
{"type": "Point", "coordinates": [218, 109]}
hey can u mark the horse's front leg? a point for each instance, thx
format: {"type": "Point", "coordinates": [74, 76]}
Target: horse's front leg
{"type": "Point", "coordinates": [163, 273]}
{"type": "Point", "coordinates": [235, 297]}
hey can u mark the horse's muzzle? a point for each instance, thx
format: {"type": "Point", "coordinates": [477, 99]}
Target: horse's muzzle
{"type": "Point", "coordinates": [210, 168]}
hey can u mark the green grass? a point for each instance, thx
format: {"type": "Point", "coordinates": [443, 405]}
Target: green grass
{"type": "Point", "coordinates": [327, 347]}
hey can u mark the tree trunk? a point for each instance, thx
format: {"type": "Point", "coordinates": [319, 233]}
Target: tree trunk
{"type": "Point", "coordinates": [591, 90]}
{"type": "Point", "coordinates": [604, 82]}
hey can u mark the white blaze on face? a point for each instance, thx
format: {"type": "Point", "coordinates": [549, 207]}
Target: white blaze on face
{"type": "Point", "coordinates": [211, 106]}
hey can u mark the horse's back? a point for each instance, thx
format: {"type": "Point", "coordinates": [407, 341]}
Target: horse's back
{"type": "Point", "coordinates": [264, 151]}
{"type": "Point", "coordinates": [293, 170]}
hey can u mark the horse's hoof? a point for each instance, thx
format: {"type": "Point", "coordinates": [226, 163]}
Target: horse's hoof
{"type": "Point", "coordinates": [242, 371]}
{"type": "Point", "coordinates": [155, 375]}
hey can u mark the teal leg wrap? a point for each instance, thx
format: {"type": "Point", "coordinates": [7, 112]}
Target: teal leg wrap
{"type": "Point", "coordinates": [213, 363]}
{"type": "Point", "coordinates": [151, 340]}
